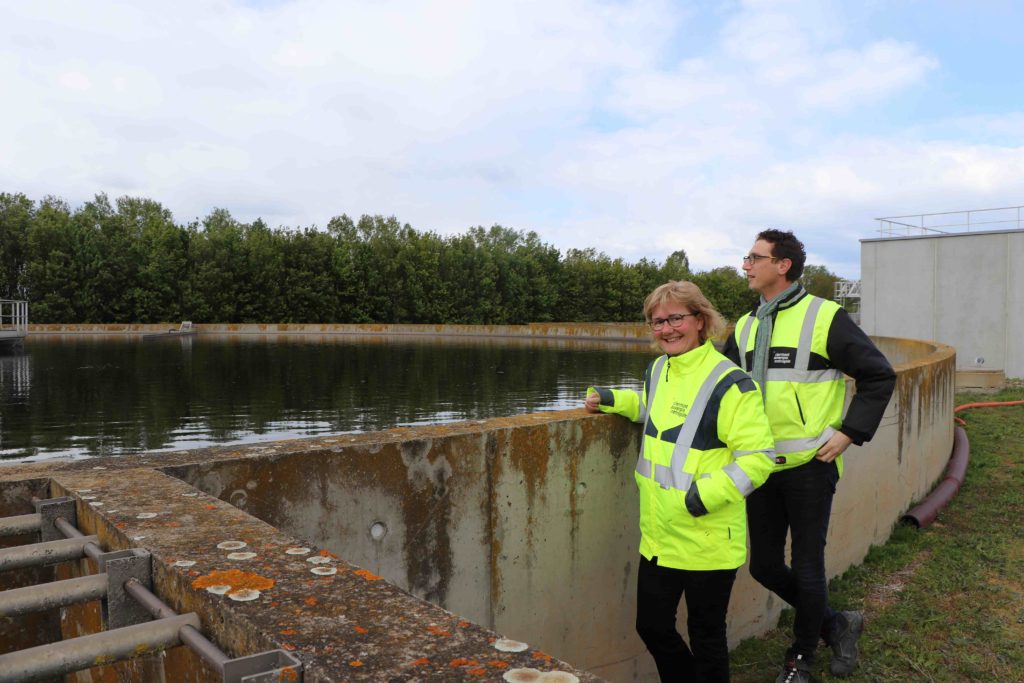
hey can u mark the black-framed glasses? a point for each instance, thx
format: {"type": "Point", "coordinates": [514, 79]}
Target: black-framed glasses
{"type": "Point", "coordinates": [754, 258]}
{"type": "Point", "coordinates": [674, 321]}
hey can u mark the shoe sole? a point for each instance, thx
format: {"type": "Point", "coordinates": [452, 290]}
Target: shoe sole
{"type": "Point", "coordinates": [843, 669]}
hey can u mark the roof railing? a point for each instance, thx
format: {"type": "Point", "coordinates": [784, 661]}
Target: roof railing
{"type": "Point", "coordinates": [948, 222]}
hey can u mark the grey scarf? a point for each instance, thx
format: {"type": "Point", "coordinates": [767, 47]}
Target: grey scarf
{"type": "Point", "coordinates": [763, 340]}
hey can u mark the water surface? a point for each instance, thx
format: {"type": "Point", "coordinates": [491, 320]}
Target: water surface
{"type": "Point", "coordinates": [74, 396]}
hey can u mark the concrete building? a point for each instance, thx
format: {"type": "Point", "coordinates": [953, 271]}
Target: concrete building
{"type": "Point", "coordinates": [964, 289]}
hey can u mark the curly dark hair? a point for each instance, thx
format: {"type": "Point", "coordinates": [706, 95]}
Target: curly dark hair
{"type": "Point", "coordinates": [786, 245]}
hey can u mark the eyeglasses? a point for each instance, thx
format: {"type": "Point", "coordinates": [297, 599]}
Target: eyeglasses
{"type": "Point", "coordinates": [754, 258]}
{"type": "Point", "coordinates": [674, 321]}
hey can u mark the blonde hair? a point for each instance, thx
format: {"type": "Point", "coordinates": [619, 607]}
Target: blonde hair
{"type": "Point", "coordinates": [687, 295]}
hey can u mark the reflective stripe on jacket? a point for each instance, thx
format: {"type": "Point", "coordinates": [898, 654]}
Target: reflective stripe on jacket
{"type": "Point", "coordinates": [804, 392]}
{"type": "Point", "coordinates": [705, 429]}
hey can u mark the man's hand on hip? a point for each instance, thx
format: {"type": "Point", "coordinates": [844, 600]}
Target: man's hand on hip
{"type": "Point", "coordinates": [834, 447]}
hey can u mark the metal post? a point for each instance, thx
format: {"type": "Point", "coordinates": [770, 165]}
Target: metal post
{"type": "Point", "coordinates": [207, 651]}
{"type": "Point", "coordinates": [44, 553]}
{"type": "Point", "coordinates": [52, 510]}
{"type": "Point", "coordinates": [47, 596]}
{"type": "Point", "coordinates": [83, 652]}
{"type": "Point", "coordinates": [19, 524]}
{"type": "Point", "coordinates": [92, 550]}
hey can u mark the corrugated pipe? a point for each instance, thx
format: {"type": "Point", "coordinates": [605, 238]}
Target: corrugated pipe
{"type": "Point", "coordinates": [925, 512]}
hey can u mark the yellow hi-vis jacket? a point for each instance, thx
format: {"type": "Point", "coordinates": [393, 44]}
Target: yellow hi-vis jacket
{"type": "Point", "coordinates": [706, 446]}
{"type": "Point", "coordinates": [804, 393]}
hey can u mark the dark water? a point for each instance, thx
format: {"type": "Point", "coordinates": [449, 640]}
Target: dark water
{"type": "Point", "coordinates": [74, 396]}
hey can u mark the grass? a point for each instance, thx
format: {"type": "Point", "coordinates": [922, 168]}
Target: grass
{"type": "Point", "coordinates": [943, 604]}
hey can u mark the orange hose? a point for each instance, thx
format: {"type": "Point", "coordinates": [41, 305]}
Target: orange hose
{"type": "Point", "coordinates": [988, 404]}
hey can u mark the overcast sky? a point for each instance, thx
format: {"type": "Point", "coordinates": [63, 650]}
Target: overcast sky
{"type": "Point", "coordinates": [637, 128]}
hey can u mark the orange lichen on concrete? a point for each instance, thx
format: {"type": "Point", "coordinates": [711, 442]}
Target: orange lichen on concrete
{"type": "Point", "coordinates": [328, 553]}
{"type": "Point", "coordinates": [288, 673]}
{"type": "Point", "coordinates": [360, 629]}
{"type": "Point", "coordinates": [438, 631]}
{"type": "Point", "coordinates": [368, 575]}
{"type": "Point", "coordinates": [288, 632]}
{"type": "Point", "coordinates": [476, 672]}
{"type": "Point", "coordinates": [497, 664]}
{"type": "Point", "coordinates": [237, 579]}
{"type": "Point", "coordinates": [355, 662]}
{"type": "Point", "coordinates": [310, 601]}
{"type": "Point", "coordinates": [540, 655]}
{"type": "Point", "coordinates": [461, 661]}
{"type": "Point", "coordinates": [465, 624]}
{"type": "Point", "coordinates": [420, 662]}
{"type": "Point", "coordinates": [288, 646]}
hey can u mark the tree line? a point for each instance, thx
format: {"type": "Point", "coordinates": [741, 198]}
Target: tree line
{"type": "Point", "coordinates": [130, 262]}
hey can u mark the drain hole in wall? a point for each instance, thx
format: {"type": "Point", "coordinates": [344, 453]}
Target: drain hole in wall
{"type": "Point", "coordinates": [378, 530]}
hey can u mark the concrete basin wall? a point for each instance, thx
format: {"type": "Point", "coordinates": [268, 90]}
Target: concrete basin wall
{"type": "Point", "coordinates": [523, 526]}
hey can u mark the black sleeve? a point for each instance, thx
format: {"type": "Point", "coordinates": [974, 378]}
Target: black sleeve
{"type": "Point", "coordinates": [731, 350]}
{"type": "Point", "coordinates": [851, 351]}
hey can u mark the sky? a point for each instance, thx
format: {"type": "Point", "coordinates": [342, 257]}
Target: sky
{"type": "Point", "coordinates": [636, 128]}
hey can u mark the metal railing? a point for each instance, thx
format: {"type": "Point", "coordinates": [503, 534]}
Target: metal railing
{"type": "Point", "coordinates": [14, 315]}
{"type": "Point", "coordinates": [950, 222]}
{"type": "Point", "coordinates": [138, 622]}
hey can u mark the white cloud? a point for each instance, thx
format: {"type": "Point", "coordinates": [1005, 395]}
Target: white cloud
{"type": "Point", "coordinates": [634, 127]}
{"type": "Point", "coordinates": [850, 77]}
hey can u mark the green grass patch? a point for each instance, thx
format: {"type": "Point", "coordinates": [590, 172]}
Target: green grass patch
{"type": "Point", "coordinates": [943, 604]}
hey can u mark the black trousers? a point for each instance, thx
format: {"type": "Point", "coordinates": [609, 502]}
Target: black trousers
{"type": "Point", "coordinates": [797, 501]}
{"type": "Point", "coordinates": [658, 592]}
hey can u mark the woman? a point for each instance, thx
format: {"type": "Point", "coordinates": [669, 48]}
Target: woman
{"type": "Point", "coordinates": [706, 445]}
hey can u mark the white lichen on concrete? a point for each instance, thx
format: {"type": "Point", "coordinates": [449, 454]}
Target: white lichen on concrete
{"type": "Point", "coordinates": [297, 551]}
{"type": "Point", "coordinates": [509, 645]}
{"type": "Point", "coordinates": [244, 595]}
{"type": "Point", "coordinates": [145, 515]}
{"type": "Point", "coordinates": [184, 563]}
{"type": "Point", "coordinates": [241, 556]}
{"type": "Point", "coordinates": [218, 590]}
{"type": "Point", "coordinates": [318, 559]}
{"type": "Point", "coordinates": [324, 571]}
{"type": "Point", "coordinates": [535, 676]}
{"type": "Point", "coordinates": [232, 545]}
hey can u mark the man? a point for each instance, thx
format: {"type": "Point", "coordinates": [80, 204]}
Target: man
{"type": "Point", "coordinates": [797, 347]}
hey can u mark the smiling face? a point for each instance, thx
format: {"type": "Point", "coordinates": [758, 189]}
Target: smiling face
{"type": "Point", "coordinates": [766, 275]}
{"type": "Point", "coordinates": [676, 340]}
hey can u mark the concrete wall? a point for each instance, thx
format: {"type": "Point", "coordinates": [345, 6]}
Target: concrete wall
{"type": "Point", "coordinates": [523, 526]}
{"type": "Point", "coordinates": [964, 290]}
{"type": "Point", "coordinates": [583, 331]}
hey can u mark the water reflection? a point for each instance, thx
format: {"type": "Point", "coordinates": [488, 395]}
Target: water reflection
{"type": "Point", "coordinates": [75, 396]}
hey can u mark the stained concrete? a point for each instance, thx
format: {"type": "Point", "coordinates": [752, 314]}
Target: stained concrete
{"type": "Point", "coordinates": [522, 527]}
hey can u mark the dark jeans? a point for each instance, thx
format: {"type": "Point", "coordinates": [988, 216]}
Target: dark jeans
{"type": "Point", "coordinates": [658, 591]}
{"type": "Point", "coordinates": [798, 501]}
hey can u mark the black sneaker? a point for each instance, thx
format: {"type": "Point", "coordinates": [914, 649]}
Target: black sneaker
{"type": "Point", "coordinates": [842, 637]}
{"type": "Point", "coordinates": [796, 670]}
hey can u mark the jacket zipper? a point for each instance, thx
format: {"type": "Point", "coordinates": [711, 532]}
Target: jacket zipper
{"type": "Point", "coordinates": [799, 407]}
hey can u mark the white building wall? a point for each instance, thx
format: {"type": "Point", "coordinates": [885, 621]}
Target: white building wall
{"type": "Point", "coordinates": [965, 290]}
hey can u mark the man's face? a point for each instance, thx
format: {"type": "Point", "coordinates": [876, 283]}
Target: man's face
{"type": "Point", "coordinates": [765, 275]}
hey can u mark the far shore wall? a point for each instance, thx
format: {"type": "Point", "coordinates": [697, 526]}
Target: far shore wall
{"type": "Point", "coordinates": [609, 331]}
{"type": "Point", "coordinates": [527, 525]}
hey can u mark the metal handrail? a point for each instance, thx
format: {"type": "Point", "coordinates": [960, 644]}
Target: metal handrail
{"type": "Point", "coordinates": [14, 315]}
{"type": "Point", "coordinates": [886, 225]}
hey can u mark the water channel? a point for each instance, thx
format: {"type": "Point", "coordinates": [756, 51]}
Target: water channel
{"type": "Point", "coordinates": [81, 396]}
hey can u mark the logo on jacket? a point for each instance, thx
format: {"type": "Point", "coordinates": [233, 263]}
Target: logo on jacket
{"type": "Point", "coordinates": [782, 358]}
{"type": "Point", "coordinates": [680, 409]}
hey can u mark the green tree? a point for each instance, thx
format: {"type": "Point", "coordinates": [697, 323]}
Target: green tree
{"type": "Point", "coordinates": [16, 214]}
{"type": "Point", "coordinates": [820, 281]}
{"type": "Point", "coordinates": [727, 291]}
{"type": "Point", "coordinates": [54, 273]}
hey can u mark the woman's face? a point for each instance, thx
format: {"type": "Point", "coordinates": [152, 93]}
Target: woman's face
{"type": "Point", "coordinates": [676, 340]}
